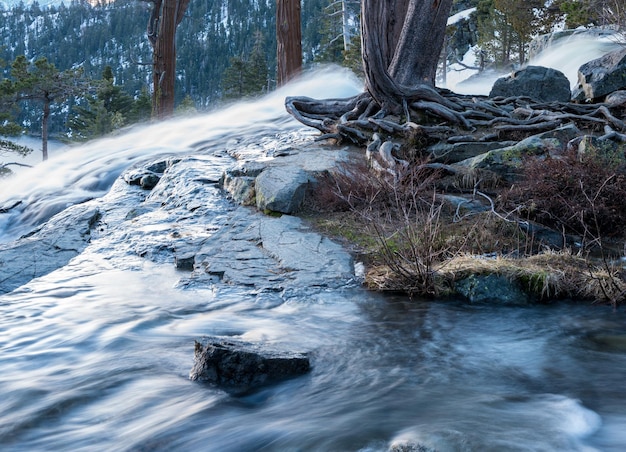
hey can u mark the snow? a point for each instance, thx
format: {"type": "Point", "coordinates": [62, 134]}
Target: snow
{"type": "Point", "coordinates": [462, 15]}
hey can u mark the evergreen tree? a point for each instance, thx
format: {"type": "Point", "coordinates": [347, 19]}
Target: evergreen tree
{"type": "Point", "coordinates": [332, 34]}
{"type": "Point", "coordinates": [580, 12]}
{"type": "Point", "coordinates": [247, 76]}
{"type": "Point", "coordinates": [9, 128]}
{"type": "Point", "coordinates": [187, 107]}
{"type": "Point", "coordinates": [141, 110]}
{"type": "Point", "coordinates": [41, 81]}
{"type": "Point", "coordinates": [109, 109]}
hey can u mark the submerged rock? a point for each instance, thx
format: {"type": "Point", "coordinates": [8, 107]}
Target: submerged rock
{"type": "Point", "coordinates": [241, 367]}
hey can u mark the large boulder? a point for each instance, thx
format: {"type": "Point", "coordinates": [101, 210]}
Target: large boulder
{"type": "Point", "coordinates": [279, 185]}
{"type": "Point", "coordinates": [241, 367]}
{"type": "Point", "coordinates": [537, 82]}
{"type": "Point", "coordinates": [601, 76]}
{"type": "Point", "coordinates": [281, 189]}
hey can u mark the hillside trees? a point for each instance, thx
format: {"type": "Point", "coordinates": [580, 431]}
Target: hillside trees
{"type": "Point", "coordinates": [9, 128]}
{"type": "Point", "coordinates": [506, 27]}
{"type": "Point", "coordinates": [339, 32]}
{"type": "Point", "coordinates": [109, 109]}
{"type": "Point", "coordinates": [247, 75]}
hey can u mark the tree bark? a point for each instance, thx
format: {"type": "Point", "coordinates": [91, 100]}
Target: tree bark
{"type": "Point", "coordinates": [402, 42]}
{"type": "Point", "coordinates": [165, 17]}
{"type": "Point", "coordinates": [289, 40]}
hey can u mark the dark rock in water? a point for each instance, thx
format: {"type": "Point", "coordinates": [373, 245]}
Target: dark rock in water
{"type": "Point", "coordinates": [601, 76]}
{"type": "Point", "coordinates": [240, 367]}
{"type": "Point", "coordinates": [149, 181]}
{"type": "Point", "coordinates": [537, 82]}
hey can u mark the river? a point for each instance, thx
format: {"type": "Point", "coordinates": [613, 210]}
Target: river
{"type": "Point", "coordinates": [96, 355]}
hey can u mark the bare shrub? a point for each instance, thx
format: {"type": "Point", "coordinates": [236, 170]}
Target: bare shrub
{"type": "Point", "coordinates": [557, 192]}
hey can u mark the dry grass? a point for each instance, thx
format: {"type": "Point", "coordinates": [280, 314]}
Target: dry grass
{"type": "Point", "coordinates": [547, 276]}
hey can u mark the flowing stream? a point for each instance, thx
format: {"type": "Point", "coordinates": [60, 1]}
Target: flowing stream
{"type": "Point", "coordinates": [96, 355]}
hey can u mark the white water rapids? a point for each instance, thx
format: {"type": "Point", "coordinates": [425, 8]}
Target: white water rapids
{"type": "Point", "coordinates": [96, 355]}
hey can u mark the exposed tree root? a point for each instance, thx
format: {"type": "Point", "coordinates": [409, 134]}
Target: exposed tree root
{"type": "Point", "coordinates": [443, 115]}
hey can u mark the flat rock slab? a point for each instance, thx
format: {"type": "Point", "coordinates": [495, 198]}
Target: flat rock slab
{"type": "Point", "coordinates": [240, 367]}
{"type": "Point", "coordinates": [271, 253]}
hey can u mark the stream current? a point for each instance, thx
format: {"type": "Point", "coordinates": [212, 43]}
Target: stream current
{"type": "Point", "coordinates": [96, 355]}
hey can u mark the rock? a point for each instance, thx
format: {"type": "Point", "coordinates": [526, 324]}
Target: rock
{"type": "Point", "coordinates": [409, 447]}
{"type": "Point", "coordinates": [241, 367]}
{"type": "Point", "coordinates": [493, 289]}
{"type": "Point", "coordinates": [537, 82]}
{"type": "Point", "coordinates": [457, 152]}
{"type": "Point", "coordinates": [601, 76]}
{"type": "Point", "coordinates": [239, 182]}
{"type": "Point", "coordinates": [149, 175]}
{"type": "Point", "coordinates": [597, 148]}
{"type": "Point", "coordinates": [271, 254]}
{"type": "Point", "coordinates": [280, 185]}
{"type": "Point", "coordinates": [608, 340]}
{"type": "Point", "coordinates": [507, 162]}
{"type": "Point", "coordinates": [48, 248]}
{"type": "Point", "coordinates": [149, 181]}
{"type": "Point", "coordinates": [616, 98]}
{"type": "Point", "coordinates": [281, 189]}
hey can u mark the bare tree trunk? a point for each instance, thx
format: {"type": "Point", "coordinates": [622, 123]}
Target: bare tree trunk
{"type": "Point", "coordinates": [345, 26]}
{"type": "Point", "coordinates": [289, 40]}
{"type": "Point", "coordinates": [165, 17]}
{"type": "Point", "coordinates": [44, 128]}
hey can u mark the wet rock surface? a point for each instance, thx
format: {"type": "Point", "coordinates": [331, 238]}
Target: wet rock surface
{"type": "Point", "coordinates": [48, 248]}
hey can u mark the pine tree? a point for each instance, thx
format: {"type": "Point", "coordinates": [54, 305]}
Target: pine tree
{"type": "Point", "coordinates": [9, 128]}
{"type": "Point", "coordinates": [186, 107]}
{"type": "Point", "coordinates": [109, 109]}
{"type": "Point", "coordinates": [247, 76]}
{"type": "Point", "coordinates": [41, 81]}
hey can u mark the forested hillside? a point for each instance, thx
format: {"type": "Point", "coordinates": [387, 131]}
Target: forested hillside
{"type": "Point", "coordinates": [93, 37]}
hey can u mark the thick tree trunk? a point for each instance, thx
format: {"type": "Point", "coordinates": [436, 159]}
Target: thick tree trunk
{"type": "Point", "coordinates": [419, 48]}
{"type": "Point", "coordinates": [402, 42]}
{"type": "Point", "coordinates": [164, 19]}
{"type": "Point", "coordinates": [289, 40]}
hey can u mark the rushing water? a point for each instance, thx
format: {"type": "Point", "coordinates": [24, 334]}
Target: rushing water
{"type": "Point", "coordinates": [96, 355]}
